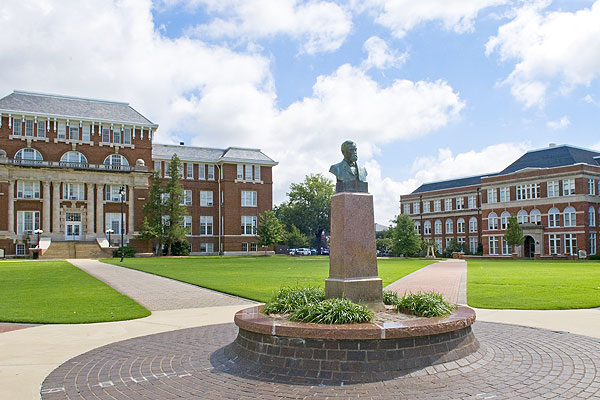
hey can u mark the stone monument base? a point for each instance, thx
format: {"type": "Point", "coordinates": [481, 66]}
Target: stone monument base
{"type": "Point", "coordinates": [367, 291]}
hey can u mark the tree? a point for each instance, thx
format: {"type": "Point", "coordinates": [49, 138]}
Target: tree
{"type": "Point", "coordinates": [174, 230]}
{"type": "Point", "coordinates": [405, 239]}
{"type": "Point", "coordinates": [269, 230]}
{"type": "Point", "coordinates": [514, 233]}
{"type": "Point", "coordinates": [294, 238]}
{"type": "Point", "coordinates": [383, 244]}
{"type": "Point", "coordinates": [151, 228]}
{"type": "Point", "coordinates": [309, 205]}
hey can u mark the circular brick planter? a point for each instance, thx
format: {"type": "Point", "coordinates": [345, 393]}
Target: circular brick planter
{"type": "Point", "coordinates": [329, 354]}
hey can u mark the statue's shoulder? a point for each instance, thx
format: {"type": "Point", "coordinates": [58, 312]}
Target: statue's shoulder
{"type": "Point", "coordinates": [336, 167]}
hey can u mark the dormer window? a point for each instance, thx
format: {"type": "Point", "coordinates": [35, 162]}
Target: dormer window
{"type": "Point", "coordinates": [73, 158]}
{"type": "Point", "coordinates": [115, 161]}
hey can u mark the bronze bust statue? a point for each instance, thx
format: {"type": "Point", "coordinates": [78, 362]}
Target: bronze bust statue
{"type": "Point", "coordinates": [350, 177]}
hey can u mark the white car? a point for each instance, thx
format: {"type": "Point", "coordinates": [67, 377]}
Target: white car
{"type": "Point", "coordinates": [303, 252]}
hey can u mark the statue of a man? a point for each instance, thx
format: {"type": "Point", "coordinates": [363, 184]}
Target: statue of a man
{"type": "Point", "coordinates": [350, 177]}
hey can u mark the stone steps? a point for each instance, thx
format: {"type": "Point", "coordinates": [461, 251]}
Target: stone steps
{"type": "Point", "coordinates": [62, 250]}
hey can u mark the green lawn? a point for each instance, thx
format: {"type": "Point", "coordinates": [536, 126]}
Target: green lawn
{"type": "Point", "coordinates": [57, 292]}
{"type": "Point", "coordinates": [533, 285]}
{"type": "Point", "coordinates": [257, 278]}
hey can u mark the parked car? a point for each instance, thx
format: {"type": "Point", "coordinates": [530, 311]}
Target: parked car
{"type": "Point", "coordinates": [303, 251]}
{"type": "Point", "coordinates": [325, 252]}
{"type": "Point", "coordinates": [292, 252]}
{"type": "Point", "coordinates": [313, 252]}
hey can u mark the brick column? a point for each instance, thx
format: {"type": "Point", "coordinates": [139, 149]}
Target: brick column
{"type": "Point", "coordinates": [46, 208]}
{"type": "Point", "coordinates": [11, 206]}
{"type": "Point", "coordinates": [99, 211]}
{"type": "Point", "coordinates": [131, 200]}
{"type": "Point", "coordinates": [55, 207]}
{"type": "Point", "coordinates": [90, 209]}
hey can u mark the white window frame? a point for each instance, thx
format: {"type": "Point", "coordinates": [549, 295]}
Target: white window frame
{"type": "Point", "coordinates": [86, 131]}
{"type": "Point", "coordinates": [528, 191]}
{"type": "Point", "coordinates": [248, 172]}
{"type": "Point", "coordinates": [28, 155]}
{"type": "Point", "coordinates": [27, 222]}
{"type": "Point", "coordinates": [105, 135]}
{"type": "Point", "coordinates": [552, 189]}
{"type": "Point", "coordinates": [592, 216]}
{"type": "Point", "coordinates": [407, 208]}
{"type": "Point", "coordinates": [522, 217]}
{"type": "Point", "coordinates": [591, 187]}
{"type": "Point", "coordinates": [116, 136]}
{"type": "Point", "coordinates": [426, 207]}
{"type": "Point", "coordinates": [493, 243]}
{"type": "Point", "coordinates": [472, 201]}
{"type": "Point", "coordinates": [73, 131]}
{"type": "Point", "coordinates": [187, 223]}
{"type": "Point", "coordinates": [460, 225]}
{"type": "Point", "coordinates": [460, 203]}
{"type": "Point", "coordinates": [207, 248]}
{"type": "Point", "coordinates": [41, 128]}
{"type": "Point", "coordinates": [472, 225]}
{"type": "Point", "coordinates": [113, 221]}
{"type": "Point", "coordinates": [28, 189]}
{"type": "Point", "coordinates": [29, 127]}
{"type": "Point", "coordinates": [553, 218]}
{"type": "Point", "coordinates": [189, 171]}
{"type": "Point", "coordinates": [240, 171]}
{"type": "Point", "coordinates": [592, 243]}
{"type": "Point", "coordinates": [571, 244]}
{"type": "Point", "coordinates": [73, 158]}
{"type": "Point", "coordinates": [437, 205]}
{"type": "Point", "coordinates": [473, 244]}
{"type": "Point", "coordinates": [492, 221]}
{"type": "Point", "coordinates": [505, 247]}
{"type": "Point", "coordinates": [504, 194]}
{"type": "Point", "coordinates": [535, 216]}
{"type": "Point", "coordinates": [491, 196]}
{"type": "Point", "coordinates": [206, 225]}
{"type": "Point", "coordinates": [17, 127]}
{"type": "Point", "coordinates": [449, 226]}
{"type": "Point", "coordinates": [73, 191]}
{"type": "Point", "coordinates": [427, 227]}
{"type": "Point", "coordinates": [438, 227]}
{"type": "Point", "coordinates": [210, 172]}
{"type": "Point", "coordinates": [248, 225]}
{"type": "Point", "coordinates": [202, 171]}
{"type": "Point", "coordinates": [158, 167]}
{"type": "Point", "coordinates": [568, 187]}
{"type": "Point", "coordinates": [20, 249]}
{"type": "Point", "coordinates": [554, 244]}
{"type": "Point", "coordinates": [447, 204]}
{"type": "Point", "coordinates": [206, 198]}
{"type": "Point", "coordinates": [418, 227]}
{"type": "Point", "coordinates": [112, 193]}
{"type": "Point", "coordinates": [257, 172]}
{"type": "Point", "coordinates": [416, 207]}
{"type": "Point", "coordinates": [570, 217]}
{"type": "Point", "coordinates": [187, 197]}
{"type": "Point", "coordinates": [249, 198]}
{"type": "Point", "coordinates": [127, 136]}
{"type": "Point", "coordinates": [62, 130]}
{"type": "Point", "coordinates": [504, 220]}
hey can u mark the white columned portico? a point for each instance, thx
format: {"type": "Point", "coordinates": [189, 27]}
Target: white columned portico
{"type": "Point", "coordinates": [46, 208]}
{"type": "Point", "coordinates": [131, 208]}
{"type": "Point", "coordinates": [11, 206]}
{"type": "Point", "coordinates": [99, 211]}
{"type": "Point", "coordinates": [90, 210]}
{"type": "Point", "coordinates": [55, 207]}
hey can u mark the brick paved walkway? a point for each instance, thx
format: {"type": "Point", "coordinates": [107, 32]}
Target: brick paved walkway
{"type": "Point", "coordinates": [155, 292]}
{"type": "Point", "coordinates": [9, 326]}
{"type": "Point", "coordinates": [513, 363]}
{"type": "Point", "coordinates": [446, 277]}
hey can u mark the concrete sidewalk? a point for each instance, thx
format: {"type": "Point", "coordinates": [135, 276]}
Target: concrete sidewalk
{"type": "Point", "coordinates": [27, 356]}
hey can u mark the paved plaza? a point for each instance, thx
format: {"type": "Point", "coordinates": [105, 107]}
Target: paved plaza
{"type": "Point", "coordinates": [178, 351]}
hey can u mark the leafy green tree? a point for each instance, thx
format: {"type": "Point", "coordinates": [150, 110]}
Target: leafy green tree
{"type": "Point", "coordinates": [514, 233]}
{"type": "Point", "coordinates": [269, 230]}
{"type": "Point", "coordinates": [174, 230]}
{"type": "Point", "coordinates": [383, 244]}
{"type": "Point", "coordinates": [294, 238]}
{"type": "Point", "coordinates": [454, 247]}
{"type": "Point", "coordinates": [152, 228]}
{"type": "Point", "coordinates": [309, 205]}
{"type": "Point", "coordinates": [405, 239]}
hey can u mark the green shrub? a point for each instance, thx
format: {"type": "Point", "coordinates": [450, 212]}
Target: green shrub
{"type": "Point", "coordinates": [333, 311]}
{"type": "Point", "coordinates": [390, 298]}
{"type": "Point", "coordinates": [128, 251]}
{"type": "Point", "coordinates": [289, 299]}
{"type": "Point", "coordinates": [425, 304]}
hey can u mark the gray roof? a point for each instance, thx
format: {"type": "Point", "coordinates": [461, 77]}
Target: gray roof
{"type": "Point", "coordinates": [210, 155]}
{"type": "Point", "coordinates": [71, 108]}
{"type": "Point", "coordinates": [549, 157]}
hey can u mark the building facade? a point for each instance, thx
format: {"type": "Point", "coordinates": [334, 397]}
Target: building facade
{"type": "Point", "coordinates": [553, 192]}
{"type": "Point", "coordinates": [68, 166]}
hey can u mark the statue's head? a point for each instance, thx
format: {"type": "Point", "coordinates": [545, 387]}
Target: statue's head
{"type": "Point", "coordinates": [349, 151]}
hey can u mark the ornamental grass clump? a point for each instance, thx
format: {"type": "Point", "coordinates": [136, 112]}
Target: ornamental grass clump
{"type": "Point", "coordinates": [390, 298]}
{"type": "Point", "coordinates": [333, 311]}
{"type": "Point", "coordinates": [425, 304]}
{"type": "Point", "coordinates": [288, 299]}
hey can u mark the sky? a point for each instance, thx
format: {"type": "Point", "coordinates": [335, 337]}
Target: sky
{"type": "Point", "coordinates": [429, 90]}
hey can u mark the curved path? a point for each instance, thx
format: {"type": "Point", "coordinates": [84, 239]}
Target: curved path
{"type": "Point", "coordinates": [513, 363]}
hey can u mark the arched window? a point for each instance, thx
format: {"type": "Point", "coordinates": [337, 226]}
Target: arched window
{"type": "Point", "coordinates": [438, 227]}
{"type": "Point", "coordinates": [449, 226]}
{"type": "Point", "coordinates": [73, 158]}
{"type": "Point", "coordinates": [522, 217]}
{"type": "Point", "coordinates": [569, 217]}
{"type": "Point", "coordinates": [472, 225]}
{"type": "Point", "coordinates": [116, 161]}
{"type": "Point", "coordinates": [427, 227]}
{"type": "Point", "coordinates": [28, 156]}
{"type": "Point", "coordinates": [592, 216]}
{"type": "Point", "coordinates": [460, 225]}
{"type": "Point", "coordinates": [418, 227]}
{"type": "Point", "coordinates": [535, 216]}
{"type": "Point", "coordinates": [553, 218]}
{"type": "Point", "coordinates": [492, 221]}
{"type": "Point", "coordinates": [504, 219]}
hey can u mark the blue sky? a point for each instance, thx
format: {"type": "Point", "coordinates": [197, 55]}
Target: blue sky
{"type": "Point", "coordinates": [429, 90]}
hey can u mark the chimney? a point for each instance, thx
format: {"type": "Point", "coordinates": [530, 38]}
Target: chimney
{"type": "Point", "coordinates": [183, 144]}
{"type": "Point", "coordinates": [552, 145]}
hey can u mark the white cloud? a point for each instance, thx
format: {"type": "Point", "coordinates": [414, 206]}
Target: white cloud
{"type": "Point", "coordinates": [400, 16]}
{"type": "Point", "coordinates": [446, 166]}
{"type": "Point", "coordinates": [209, 95]}
{"type": "Point", "coordinates": [320, 26]}
{"type": "Point", "coordinates": [550, 48]}
{"type": "Point", "coordinates": [380, 56]}
{"type": "Point", "coordinates": [559, 124]}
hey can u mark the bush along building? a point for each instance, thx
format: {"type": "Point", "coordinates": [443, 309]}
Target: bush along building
{"type": "Point", "coordinates": [69, 165]}
{"type": "Point", "coordinates": [553, 192]}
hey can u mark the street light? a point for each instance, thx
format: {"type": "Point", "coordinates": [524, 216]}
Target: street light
{"type": "Point", "coordinates": [108, 232]}
{"type": "Point", "coordinates": [38, 232]}
{"type": "Point", "coordinates": [122, 193]}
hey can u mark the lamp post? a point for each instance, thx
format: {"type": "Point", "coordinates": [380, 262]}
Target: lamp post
{"type": "Point", "coordinates": [109, 232]}
{"type": "Point", "coordinates": [122, 193]}
{"type": "Point", "coordinates": [38, 232]}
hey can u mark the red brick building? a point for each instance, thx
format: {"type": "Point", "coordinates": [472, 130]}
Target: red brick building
{"type": "Point", "coordinates": [64, 160]}
{"type": "Point", "coordinates": [553, 192]}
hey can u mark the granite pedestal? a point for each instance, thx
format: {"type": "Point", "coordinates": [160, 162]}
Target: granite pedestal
{"type": "Point", "coordinates": [353, 254]}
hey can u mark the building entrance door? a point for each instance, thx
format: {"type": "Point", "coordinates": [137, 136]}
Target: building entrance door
{"type": "Point", "coordinates": [528, 247]}
{"type": "Point", "coordinates": [73, 226]}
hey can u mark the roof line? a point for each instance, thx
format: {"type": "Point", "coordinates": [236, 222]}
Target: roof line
{"type": "Point", "coordinates": [561, 145]}
{"type": "Point", "coordinates": [69, 97]}
{"type": "Point", "coordinates": [76, 118]}
{"type": "Point", "coordinates": [455, 179]}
